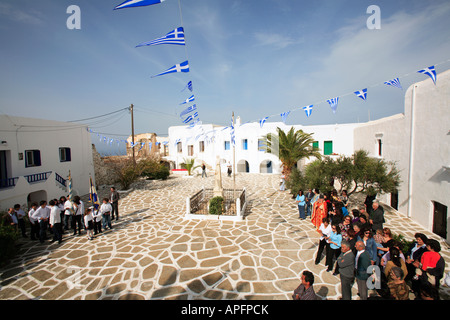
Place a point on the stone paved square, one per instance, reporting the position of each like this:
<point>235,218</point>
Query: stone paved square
<point>153,253</point>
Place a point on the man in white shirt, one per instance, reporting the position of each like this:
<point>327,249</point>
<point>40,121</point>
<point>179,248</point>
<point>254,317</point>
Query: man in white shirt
<point>55,221</point>
<point>105,210</point>
<point>21,223</point>
<point>42,214</point>
<point>78,217</point>
<point>34,222</point>
<point>68,213</point>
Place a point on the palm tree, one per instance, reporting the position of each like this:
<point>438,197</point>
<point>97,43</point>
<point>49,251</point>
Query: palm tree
<point>292,147</point>
<point>189,165</point>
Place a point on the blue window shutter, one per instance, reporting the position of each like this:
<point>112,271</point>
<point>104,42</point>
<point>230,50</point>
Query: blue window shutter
<point>37,157</point>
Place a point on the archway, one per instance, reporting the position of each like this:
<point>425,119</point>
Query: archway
<point>266,167</point>
<point>243,166</point>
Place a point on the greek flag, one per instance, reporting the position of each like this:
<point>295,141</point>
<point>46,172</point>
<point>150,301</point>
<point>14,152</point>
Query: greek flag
<point>262,121</point>
<point>193,124</point>
<point>188,119</point>
<point>173,37</point>
<point>233,137</point>
<point>188,110</point>
<point>333,103</point>
<point>137,3</point>
<point>395,83</point>
<point>284,116</point>
<point>182,67</point>
<point>362,94</point>
<point>308,110</point>
<point>189,86</point>
<point>190,99</point>
<point>93,197</point>
<point>431,72</point>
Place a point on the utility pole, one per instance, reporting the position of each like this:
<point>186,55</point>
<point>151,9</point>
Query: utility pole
<point>234,159</point>
<point>132,133</point>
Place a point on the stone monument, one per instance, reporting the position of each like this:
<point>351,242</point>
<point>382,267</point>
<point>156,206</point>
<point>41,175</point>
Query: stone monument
<point>218,190</point>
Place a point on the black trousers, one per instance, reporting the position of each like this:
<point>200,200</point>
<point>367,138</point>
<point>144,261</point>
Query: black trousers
<point>34,230</point>
<point>331,254</point>
<point>115,210</point>
<point>76,220</point>
<point>97,227</point>
<point>322,245</point>
<point>57,232</point>
<point>22,227</point>
<point>43,230</point>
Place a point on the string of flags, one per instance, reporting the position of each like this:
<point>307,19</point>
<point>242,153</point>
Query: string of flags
<point>110,141</point>
<point>333,102</point>
<point>174,37</point>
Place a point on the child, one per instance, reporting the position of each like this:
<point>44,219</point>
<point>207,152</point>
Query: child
<point>97,221</point>
<point>89,223</point>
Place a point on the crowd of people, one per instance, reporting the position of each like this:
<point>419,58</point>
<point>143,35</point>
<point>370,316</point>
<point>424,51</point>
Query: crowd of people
<point>358,248</point>
<point>66,214</point>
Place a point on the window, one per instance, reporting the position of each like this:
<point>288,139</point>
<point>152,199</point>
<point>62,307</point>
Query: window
<point>201,146</point>
<point>380,147</point>
<point>327,147</point>
<point>244,144</point>
<point>262,146</point>
<point>32,158</point>
<point>64,155</point>
<point>190,150</point>
<point>227,145</point>
<point>179,147</point>
<point>315,145</point>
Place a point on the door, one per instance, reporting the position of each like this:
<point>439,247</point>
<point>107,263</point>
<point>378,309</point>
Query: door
<point>440,219</point>
<point>394,200</point>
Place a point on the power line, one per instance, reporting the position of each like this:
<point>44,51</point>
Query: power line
<point>101,116</point>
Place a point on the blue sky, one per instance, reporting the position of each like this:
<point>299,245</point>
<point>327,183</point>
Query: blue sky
<point>254,57</point>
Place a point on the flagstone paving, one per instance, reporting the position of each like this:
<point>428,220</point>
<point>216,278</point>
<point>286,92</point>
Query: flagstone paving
<point>154,253</point>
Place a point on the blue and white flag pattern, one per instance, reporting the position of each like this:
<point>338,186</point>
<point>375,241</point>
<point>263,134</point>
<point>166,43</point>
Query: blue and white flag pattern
<point>394,82</point>
<point>190,99</point>
<point>189,86</point>
<point>173,37</point>
<point>137,3</point>
<point>308,110</point>
<point>233,137</point>
<point>182,67</point>
<point>333,103</point>
<point>362,93</point>
<point>284,116</point>
<point>188,110</point>
<point>262,121</point>
<point>431,72</point>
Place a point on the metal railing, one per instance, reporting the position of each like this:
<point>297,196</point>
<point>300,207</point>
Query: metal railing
<point>199,201</point>
<point>38,177</point>
<point>8,183</point>
<point>60,179</point>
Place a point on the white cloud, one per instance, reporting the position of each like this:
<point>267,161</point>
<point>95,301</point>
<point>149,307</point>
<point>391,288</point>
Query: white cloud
<point>31,17</point>
<point>279,41</point>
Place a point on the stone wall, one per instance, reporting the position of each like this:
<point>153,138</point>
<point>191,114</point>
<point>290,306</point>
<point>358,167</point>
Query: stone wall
<point>103,174</point>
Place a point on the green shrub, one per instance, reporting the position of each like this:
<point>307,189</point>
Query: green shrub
<point>8,237</point>
<point>152,169</point>
<point>216,205</point>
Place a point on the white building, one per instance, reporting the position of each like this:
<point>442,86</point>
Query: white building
<point>418,141</point>
<point>36,156</point>
<point>206,142</point>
